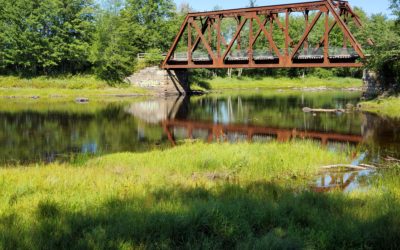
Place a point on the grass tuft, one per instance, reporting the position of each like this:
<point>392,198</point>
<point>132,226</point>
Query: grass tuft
<point>219,83</point>
<point>388,107</point>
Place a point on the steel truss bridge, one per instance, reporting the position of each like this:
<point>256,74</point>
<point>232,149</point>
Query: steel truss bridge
<point>206,41</point>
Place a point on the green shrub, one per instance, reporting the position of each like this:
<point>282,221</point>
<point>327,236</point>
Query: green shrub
<point>153,57</point>
<point>323,73</point>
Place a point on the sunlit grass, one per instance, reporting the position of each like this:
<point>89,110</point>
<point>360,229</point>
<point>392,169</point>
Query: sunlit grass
<point>219,83</point>
<point>388,106</point>
<point>63,87</point>
<point>244,196</point>
<point>61,82</point>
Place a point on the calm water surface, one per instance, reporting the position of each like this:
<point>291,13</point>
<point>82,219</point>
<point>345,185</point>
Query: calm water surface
<point>40,132</point>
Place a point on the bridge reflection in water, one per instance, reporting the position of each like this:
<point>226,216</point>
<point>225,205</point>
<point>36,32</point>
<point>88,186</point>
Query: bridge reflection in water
<point>345,181</point>
<point>222,132</point>
<point>223,120</point>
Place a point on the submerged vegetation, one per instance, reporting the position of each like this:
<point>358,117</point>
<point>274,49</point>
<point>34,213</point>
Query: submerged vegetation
<point>247,196</point>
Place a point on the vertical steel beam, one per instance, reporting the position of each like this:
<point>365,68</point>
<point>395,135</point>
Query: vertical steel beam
<point>287,34</point>
<point>189,48</point>
<point>250,41</point>
<point>219,38</point>
<point>326,38</point>
<point>306,17</point>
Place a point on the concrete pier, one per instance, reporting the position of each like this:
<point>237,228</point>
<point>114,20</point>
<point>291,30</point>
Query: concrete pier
<point>371,86</point>
<point>163,82</point>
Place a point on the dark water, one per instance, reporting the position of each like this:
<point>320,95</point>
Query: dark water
<point>45,133</point>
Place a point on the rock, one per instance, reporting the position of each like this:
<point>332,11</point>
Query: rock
<point>82,100</point>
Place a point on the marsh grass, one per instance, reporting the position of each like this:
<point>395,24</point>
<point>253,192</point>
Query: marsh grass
<point>219,83</point>
<point>195,196</point>
<point>388,107</point>
<point>59,82</point>
<point>61,88</point>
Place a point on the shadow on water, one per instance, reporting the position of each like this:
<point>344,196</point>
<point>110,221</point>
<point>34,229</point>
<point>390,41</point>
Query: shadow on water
<point>255,216</point>
<point>35,135</point>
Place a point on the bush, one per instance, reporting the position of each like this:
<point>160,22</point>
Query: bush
<point>153,57</point>
<point>323,73</point>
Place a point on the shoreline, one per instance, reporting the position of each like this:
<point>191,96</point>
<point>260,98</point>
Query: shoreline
<point>57,94</point>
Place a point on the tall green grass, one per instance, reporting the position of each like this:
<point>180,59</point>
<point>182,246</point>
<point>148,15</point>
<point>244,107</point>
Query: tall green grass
<point>62,82</point>
<point>388,107</point>
<point>219,83</point>
<point>58,88</point>
<point>195,196</point>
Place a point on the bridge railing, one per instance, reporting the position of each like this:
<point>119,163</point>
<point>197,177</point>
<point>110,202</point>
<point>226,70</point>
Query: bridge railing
<point>142,56</point>
<point>310,53</point>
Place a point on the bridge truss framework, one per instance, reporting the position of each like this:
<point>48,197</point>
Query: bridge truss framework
<point>206,27</point>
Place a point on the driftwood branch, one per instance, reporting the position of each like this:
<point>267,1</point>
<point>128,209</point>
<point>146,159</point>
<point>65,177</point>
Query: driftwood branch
<point>359,167</point>
<point>389,158</point>
<point>310,110</point>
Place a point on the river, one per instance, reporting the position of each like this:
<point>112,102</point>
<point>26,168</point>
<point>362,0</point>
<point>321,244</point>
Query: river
<point>47,132</point>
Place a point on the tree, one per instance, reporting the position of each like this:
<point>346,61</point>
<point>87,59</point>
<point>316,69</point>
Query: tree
<point>112,54</point>
<point>152,23</point>
<point>252,3</point>
<point>45,36</point>
<point>385,53</point>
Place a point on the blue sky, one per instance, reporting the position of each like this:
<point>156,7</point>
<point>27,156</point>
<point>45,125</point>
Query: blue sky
<point>370,6</point>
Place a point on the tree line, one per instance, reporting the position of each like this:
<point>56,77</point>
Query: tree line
<point>51,37</point>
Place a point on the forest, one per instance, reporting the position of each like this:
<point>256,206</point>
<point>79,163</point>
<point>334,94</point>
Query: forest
<point>61,37</point>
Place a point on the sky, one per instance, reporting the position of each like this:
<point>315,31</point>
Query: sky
<point>370,6</point>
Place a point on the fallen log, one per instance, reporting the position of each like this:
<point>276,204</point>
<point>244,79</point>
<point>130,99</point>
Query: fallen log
<point>344,166</point>
<point>310,110</point>
<point>389,158</point>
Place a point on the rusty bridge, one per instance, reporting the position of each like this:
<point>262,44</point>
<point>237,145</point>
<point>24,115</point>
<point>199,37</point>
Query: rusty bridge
<point>264,37</point>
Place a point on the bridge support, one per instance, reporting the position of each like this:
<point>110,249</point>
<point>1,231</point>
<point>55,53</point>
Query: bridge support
<point>163,82</point>
<point>371,85</point>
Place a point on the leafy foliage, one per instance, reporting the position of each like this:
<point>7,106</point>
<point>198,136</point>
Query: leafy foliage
<point>42,37</point>
<point>385,53</point>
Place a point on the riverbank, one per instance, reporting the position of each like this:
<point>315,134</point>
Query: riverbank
<point>71,87</point>
<point>265,83</point>
<point>62,88</point>
<point>387,106</point>
<point>227,196</point>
